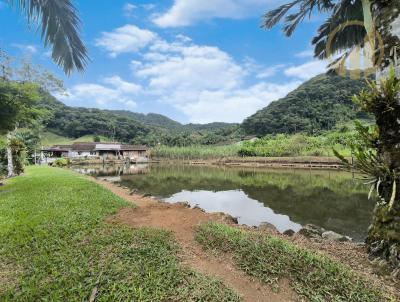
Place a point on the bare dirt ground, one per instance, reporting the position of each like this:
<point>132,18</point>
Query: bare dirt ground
<point>181,221</point>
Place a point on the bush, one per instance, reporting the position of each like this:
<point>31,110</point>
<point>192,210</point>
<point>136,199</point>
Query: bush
<point>61,162</point>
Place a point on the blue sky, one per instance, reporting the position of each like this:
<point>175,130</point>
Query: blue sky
<point>194,61</point>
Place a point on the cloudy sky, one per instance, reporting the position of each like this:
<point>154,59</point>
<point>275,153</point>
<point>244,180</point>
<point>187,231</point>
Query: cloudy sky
<point>194,61</point>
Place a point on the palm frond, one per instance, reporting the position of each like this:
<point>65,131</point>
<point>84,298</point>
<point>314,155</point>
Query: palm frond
<point>347,37</point>
<point>60,25</point>
<point>305,8</point>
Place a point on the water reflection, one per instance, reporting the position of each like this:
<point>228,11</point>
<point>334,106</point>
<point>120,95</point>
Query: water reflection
<point>284,198</point>
<point>237,204</point>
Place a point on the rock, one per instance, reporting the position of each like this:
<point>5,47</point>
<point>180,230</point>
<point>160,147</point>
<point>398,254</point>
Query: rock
<point>266,226</point>
<point>289,232</point>
<point>230,219</point>
<point>333,236</point>
<point>198,208</point>
<point>146,195</point>
<point>183,204</point>
<point>133,191</point>
<point>311,231</point>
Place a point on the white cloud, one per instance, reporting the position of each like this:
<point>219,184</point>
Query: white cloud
<point>128,9</point>
<point>204,82</point>
<point>307,70</point>
<point>305,54</point>
<point>269,71</point>
<point>114,91</point>
<point>235,105</point>
<point>26,48</point>
<point>125,39</point>
<point>122,85</point>
<point>149,6</point>
<point>187,12</point>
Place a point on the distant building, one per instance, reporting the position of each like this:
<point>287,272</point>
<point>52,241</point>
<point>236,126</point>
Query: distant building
<point>93,150</point>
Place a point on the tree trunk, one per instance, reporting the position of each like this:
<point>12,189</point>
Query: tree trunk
<point>10,164</point>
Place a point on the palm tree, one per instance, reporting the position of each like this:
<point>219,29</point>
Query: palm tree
<point>59,25</point>
<point>374,15</point>
<point>382,101</point>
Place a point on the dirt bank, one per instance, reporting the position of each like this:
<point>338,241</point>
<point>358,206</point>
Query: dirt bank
<point>181,220</point>
<point>304,162</point>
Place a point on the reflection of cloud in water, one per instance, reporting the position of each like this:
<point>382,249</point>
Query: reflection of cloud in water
<point>238,204</point>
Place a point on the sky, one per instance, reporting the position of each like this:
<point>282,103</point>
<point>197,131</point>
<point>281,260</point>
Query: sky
<point>193,61</point>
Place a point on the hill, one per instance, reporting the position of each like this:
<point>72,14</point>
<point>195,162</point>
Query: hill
<point>125,126</point>
<point>318,104</point>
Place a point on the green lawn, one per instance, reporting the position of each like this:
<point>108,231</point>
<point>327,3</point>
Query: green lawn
<point>55,246</point>
<point>267,258</point>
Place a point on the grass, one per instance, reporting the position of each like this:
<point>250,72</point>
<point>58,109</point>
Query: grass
<point>267,258</point>
<point>281,145</point>
<point>49,139</point>
<point>299,145</point>
<point>56,246</point>
<point>195,152</point>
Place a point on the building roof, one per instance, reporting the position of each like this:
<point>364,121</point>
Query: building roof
<point>133,148</point>
<point>83,146</point>
<point>94,146</point>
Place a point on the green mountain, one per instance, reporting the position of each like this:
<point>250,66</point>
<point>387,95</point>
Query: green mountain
<point>126,126</point>
<point>152,119</point>
<point>318,104</point>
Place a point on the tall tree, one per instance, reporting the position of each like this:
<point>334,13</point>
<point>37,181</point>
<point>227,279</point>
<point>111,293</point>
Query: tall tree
<point>379,16</point>
<point>16,110</point>
<point>380,20</point>
<point>60,25</point>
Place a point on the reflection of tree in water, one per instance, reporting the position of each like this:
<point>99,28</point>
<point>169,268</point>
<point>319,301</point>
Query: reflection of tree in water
<point>329,199</point>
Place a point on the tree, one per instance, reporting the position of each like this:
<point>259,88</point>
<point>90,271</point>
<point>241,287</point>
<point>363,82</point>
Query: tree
<point>59,24</point>
<point>16,110</point>
<point>382,100</point>
<point>374,15</point>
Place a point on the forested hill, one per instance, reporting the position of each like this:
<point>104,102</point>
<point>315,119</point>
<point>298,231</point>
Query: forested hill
<point>318,104</point>
<point>152,119</point>
<point>123,125</point>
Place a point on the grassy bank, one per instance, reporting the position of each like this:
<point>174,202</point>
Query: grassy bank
<point>55,246</point>
<point>299,145</point>
<point>195,152</point>
<point>269,259</point>
<point>281,145</point>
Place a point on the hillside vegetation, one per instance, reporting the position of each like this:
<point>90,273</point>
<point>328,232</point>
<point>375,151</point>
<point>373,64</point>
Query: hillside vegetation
<point>318,104</point>
<point>130,127</point>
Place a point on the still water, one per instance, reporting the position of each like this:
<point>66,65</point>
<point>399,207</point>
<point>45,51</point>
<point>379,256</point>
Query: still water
<point>287,199</point>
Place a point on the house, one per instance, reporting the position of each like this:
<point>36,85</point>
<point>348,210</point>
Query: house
<point>93,150</point>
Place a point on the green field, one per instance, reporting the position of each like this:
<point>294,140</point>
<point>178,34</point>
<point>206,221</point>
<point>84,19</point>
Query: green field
<point>55,246</point>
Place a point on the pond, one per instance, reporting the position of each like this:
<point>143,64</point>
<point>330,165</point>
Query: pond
<point>287,199</point>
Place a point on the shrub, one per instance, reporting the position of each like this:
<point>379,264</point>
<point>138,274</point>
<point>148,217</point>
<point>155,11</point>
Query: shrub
<point>61,162</point>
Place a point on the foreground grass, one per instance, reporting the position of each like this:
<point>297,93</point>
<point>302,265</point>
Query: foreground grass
<point>55,246</point>
<point>269,259</point>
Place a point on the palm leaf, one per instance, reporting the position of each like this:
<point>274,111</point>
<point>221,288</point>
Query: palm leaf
<point>59,24</point>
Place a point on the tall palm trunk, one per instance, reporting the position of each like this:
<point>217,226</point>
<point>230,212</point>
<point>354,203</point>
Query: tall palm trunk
<point>10,164</point>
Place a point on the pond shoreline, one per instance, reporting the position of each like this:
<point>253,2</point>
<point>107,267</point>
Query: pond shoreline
<point>352,254</point>
<point>301,162</point>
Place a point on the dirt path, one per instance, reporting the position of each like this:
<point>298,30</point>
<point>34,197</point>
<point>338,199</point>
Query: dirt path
<point>181,220</point>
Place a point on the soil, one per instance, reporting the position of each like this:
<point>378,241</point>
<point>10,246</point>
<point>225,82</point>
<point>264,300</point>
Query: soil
<point>182,220</point>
